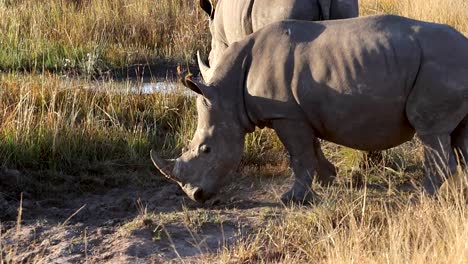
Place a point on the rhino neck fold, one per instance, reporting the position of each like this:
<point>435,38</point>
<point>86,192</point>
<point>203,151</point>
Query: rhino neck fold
<point>245,120</point>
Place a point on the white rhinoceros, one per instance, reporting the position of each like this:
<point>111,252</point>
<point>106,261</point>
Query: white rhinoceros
<point>383,80</point>
<point>233,20</point>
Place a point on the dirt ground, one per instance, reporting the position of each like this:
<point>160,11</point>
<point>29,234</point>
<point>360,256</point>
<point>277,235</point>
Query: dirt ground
<point>150,223</point>
<point>136,225</point>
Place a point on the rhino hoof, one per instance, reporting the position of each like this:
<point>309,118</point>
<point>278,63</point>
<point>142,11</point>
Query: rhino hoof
<point>302,197</point>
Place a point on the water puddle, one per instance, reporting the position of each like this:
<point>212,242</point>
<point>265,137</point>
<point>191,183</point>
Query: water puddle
<point>142,87</point>
<point>153,87</point>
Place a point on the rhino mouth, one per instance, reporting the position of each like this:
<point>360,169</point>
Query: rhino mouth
<point>197,194</point>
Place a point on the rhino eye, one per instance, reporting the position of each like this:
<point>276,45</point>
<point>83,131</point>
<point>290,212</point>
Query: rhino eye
<point>205,149</point>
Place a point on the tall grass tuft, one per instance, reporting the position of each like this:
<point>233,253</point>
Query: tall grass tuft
<point>95,35</point>
<point>350,227</point>
<point>61,126</point>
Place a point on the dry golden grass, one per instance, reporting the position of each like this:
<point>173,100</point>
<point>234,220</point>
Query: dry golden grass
<point>65,133</point>
<point>352,227</point>
<point>451,12</point>
<point>49,122</point>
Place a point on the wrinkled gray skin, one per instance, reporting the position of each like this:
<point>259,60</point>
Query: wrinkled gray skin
<point>233,20</point>
<point>383,80</point>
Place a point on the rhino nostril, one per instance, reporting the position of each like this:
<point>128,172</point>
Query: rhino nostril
<point>198,195</point>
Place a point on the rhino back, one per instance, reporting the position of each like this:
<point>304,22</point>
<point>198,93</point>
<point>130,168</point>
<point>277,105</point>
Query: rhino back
<point>265,12</point>
<point>340,75</point>
<point>235,19</point>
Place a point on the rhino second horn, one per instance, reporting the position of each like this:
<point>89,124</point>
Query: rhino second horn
<point>163,165</point>
<point>204,69</point>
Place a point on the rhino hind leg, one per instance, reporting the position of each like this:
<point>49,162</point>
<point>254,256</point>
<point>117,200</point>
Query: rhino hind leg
<point>459,139</point>
<point>300,142</point>
<point>437,109</point>
<point>439,161</point>
<point>326,171</point>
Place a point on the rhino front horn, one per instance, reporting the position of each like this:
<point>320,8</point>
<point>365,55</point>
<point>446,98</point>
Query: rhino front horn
<point>204,69</point>
<point>163,165</point>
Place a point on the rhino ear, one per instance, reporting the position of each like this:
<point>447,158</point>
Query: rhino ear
<point>207,6</point>
<point>198,87</point>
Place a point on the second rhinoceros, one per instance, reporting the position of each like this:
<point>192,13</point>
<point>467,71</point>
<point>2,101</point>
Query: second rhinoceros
<point>383,80</point>
<point>233,20</point>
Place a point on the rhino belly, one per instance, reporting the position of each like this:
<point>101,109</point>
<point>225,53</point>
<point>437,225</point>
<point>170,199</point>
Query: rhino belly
<point>365,123</point>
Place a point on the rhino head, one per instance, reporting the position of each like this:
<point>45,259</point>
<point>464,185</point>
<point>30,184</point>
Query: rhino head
<point>215,149</point>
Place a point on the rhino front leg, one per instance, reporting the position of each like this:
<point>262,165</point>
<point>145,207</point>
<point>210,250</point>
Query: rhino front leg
<point>300,142</point>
